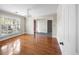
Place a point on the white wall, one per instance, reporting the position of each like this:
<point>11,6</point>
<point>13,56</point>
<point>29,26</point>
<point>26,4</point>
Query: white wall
<point>54,25</point>
<point>30,25</point>
<point>52,17</point>
<point>66,28</point>
<point>77,29</point>
<point>23,25</point>
<point>42,26</point>
<point>13,16</point>
<point>41,23</point>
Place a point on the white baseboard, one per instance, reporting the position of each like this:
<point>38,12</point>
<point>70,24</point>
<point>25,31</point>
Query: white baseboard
<point>77,53</point>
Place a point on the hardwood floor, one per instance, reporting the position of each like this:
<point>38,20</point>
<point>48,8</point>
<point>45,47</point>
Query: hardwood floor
<point>30,45</point>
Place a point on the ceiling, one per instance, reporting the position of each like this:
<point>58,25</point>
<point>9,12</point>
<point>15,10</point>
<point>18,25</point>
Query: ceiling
<point>34,9</point>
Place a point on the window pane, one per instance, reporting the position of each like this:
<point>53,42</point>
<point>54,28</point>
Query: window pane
<point>8,25</point>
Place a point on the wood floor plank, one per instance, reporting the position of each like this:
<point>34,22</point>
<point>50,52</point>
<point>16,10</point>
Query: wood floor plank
<point>30,45</point>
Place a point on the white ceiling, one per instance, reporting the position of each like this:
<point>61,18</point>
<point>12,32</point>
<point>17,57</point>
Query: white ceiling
<point>35,9</point>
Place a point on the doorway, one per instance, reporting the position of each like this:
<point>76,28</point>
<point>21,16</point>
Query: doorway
<point>49,27</point>
<point>34,27</point>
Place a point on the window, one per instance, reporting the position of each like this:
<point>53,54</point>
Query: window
<point>8,25</point>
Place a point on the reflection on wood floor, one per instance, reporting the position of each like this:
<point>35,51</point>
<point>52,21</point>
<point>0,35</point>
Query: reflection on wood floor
<point>30,45</point>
